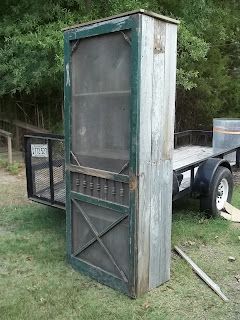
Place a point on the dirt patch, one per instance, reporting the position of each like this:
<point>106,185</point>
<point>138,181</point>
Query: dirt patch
<point>7,178</point>
<point>236,177</point>
<point>13,190</point>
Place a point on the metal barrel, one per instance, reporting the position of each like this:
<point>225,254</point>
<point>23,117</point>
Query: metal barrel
<point>226,134</point>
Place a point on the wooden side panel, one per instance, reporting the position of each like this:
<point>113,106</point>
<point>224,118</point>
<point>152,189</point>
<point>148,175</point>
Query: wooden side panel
<point>157,110</point>
<point>143,217</point>
<point>162,153</point>
<point>159,137</point>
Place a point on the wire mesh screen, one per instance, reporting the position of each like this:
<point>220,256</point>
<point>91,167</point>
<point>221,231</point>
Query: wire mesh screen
<point>45,169</point>
<point>100,101</point>
<point>58,171</point>
<point>100,237</point>
<point>100,137</point>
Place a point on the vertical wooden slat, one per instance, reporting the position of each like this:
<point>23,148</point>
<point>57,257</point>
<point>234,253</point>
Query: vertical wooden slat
<point>163,191</point>
<point>9,140</point>
<point>143,216</point>
<point>159,139</point>
<point>170,90</point>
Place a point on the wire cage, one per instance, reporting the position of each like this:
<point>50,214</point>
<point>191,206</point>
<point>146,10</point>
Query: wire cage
<point>45,168</point>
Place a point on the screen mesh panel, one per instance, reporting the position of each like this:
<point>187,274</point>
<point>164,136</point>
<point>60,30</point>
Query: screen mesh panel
<point>100,101</point>
<point>58,171</point>
<point>100,237</point>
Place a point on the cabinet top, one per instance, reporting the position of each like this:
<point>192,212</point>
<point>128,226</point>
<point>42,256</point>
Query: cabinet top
<point>142,11</point>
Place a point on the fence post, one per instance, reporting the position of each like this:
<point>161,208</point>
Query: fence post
<point>9,140</point>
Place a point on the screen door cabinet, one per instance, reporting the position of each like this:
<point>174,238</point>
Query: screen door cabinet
<point>119,123</point>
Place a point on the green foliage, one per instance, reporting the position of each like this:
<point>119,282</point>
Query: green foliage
<point>31,55</point>
<point>3,163</point>
<point>13,168</point>
<point>191,50</point>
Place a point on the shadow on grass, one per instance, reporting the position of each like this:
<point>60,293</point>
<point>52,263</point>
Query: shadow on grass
<point>34,230</point>
<point>34,217</point>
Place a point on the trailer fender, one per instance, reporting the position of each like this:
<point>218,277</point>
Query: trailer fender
<point>205,174</point>
<point>177,179</point>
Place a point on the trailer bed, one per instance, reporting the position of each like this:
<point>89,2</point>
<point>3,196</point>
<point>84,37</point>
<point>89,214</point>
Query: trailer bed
<point>46,176</point>
<point>182,156</point>
<point>186,155</point>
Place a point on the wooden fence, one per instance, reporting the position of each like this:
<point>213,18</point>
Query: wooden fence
<point>19,129</point>
<point>8,136</point>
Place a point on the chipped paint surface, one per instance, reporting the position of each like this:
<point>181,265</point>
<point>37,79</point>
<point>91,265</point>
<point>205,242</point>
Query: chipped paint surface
<point>67,75</point>
<point>93,29</point>
<point>133,183</point>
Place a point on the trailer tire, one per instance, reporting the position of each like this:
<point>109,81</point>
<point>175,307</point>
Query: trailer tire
<point>220,191</point>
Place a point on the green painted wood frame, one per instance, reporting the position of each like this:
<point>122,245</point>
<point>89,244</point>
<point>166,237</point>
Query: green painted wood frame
<point>126,23</point>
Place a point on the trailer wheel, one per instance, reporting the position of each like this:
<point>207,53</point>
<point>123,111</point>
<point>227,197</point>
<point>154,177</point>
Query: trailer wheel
<point>221,190</point>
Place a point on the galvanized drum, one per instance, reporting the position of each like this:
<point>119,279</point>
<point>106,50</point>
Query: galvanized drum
<point>226,135</point>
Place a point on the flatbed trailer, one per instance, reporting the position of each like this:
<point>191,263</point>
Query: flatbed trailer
<point>193,155</point>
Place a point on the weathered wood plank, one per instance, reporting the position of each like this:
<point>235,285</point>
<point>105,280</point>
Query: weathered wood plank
<point>10,158</point>
<point>189,154</point>
<point>146,12</point>
<point>232,214</point>
<point>202,274</point>
<point>98,173</point>
<point>8,136</point>
<point>29,127</point>
<point>163,113</point>
<point>156,148</point>
<point>145,152</point>
<point>170,90</point>
<point>167,152</point>
<point>5,133</point>
<point>159,117</point>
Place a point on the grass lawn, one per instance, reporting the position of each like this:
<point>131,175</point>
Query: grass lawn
<point>37,283</point>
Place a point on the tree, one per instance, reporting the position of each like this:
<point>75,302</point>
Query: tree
<point>31,55</point>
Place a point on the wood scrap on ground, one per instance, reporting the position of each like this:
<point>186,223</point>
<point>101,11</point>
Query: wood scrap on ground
<point>202,274</point>
<point>231,214</point>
